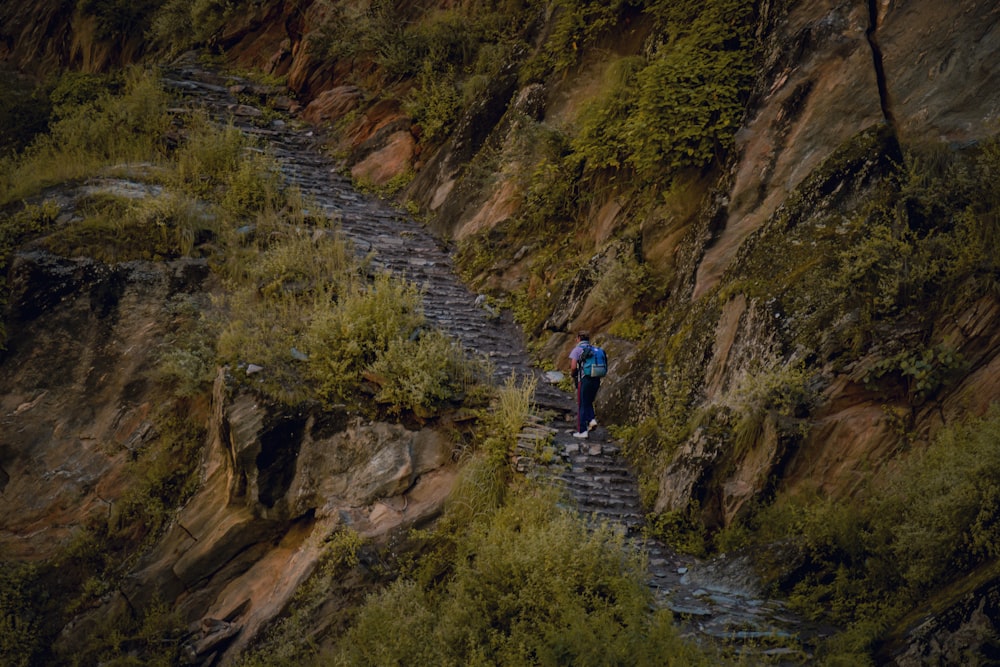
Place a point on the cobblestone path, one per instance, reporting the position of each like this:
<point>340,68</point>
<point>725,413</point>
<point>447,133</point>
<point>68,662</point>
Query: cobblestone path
<point>715,599</point>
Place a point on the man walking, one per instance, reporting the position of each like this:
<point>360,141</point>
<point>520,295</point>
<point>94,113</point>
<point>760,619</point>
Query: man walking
<point>586,386</point>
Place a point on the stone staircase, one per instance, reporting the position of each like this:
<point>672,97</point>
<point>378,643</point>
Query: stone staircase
<point>711,599</point>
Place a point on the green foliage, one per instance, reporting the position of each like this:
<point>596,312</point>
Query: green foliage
<point>921,242</point>
<point>577,24</point>
<point>112,129</point>
<point>434,102</point>
<point>179,25</point>
<point>186,357</point>
<point>221,164</point>
<point>865,563</point>
<point>923,371</point>
<point>482,485</point>
<point>299,307</point>
<point>418,375</point>
<point>255,186</point>
<point>945,505</point>
<point>682,529</point>
<point>483,482</point>
<point>119,20</point>
<point>552,194</point>
<point>512,408</point>
<point>274,293</point>
<point>20,603</point>
<point>389,189</point>
<point>658,432</point>
<point>621,284</point>
<point>681,107</point>
<point>766,390</point>
<point>530,585</point>
<point>347,338</point>
<point>75,89</point>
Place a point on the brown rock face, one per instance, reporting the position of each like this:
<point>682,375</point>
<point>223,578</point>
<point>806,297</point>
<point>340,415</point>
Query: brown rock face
<point>942,62</point>
<point>277,483</point>
<point>331,104</point>
<point>77,397</point>
<point>821,90</point>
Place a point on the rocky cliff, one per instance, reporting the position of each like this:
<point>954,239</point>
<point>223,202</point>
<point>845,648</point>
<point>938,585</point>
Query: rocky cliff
<point>724,277</point>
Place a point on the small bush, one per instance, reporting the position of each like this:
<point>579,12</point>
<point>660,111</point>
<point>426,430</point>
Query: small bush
<point>119,20</point>
<point>418,375</point>
<point>575,26</point>
<point>181,24</point>
<point>347,338</point>
<point>434,102</point>
<point>186,361</point>
<point>208,157</point>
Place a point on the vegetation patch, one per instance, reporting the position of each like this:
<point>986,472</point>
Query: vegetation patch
<point>865,564</point>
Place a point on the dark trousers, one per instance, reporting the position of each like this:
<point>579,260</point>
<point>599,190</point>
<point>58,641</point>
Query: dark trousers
<point>586,392</point>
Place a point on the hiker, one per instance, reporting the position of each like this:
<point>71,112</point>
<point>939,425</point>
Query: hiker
<point>587,381</point>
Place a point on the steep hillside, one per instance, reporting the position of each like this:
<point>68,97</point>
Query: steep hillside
<point>779,218</point>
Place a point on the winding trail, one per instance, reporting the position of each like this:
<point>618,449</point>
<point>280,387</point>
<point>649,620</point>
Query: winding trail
<point>717,599</point>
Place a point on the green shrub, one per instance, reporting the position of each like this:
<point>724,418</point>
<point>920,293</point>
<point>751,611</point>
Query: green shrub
<point>186,359</point>
<point>921,243</point>
<point>575,25</point>
<point>482,484</point>
<point>434,102</point>
<point>74,89</point>
<point>681,107</point>
<point>255,186</point>
<point>209,156</point>
<point>418,375</point>
<point>945,505</point>
<point>347,338</point>
<point>923,371</point>
<point>621,283</point>
<point>119,19</point>
<point>531,585</point>
<point>179,25</point>
<point>113,129</point>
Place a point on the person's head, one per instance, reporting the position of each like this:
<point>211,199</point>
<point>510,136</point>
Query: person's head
<point>583,336</point>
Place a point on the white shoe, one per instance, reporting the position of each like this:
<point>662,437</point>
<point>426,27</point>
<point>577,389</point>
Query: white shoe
<point>592,424</point>
<point>581,434</point>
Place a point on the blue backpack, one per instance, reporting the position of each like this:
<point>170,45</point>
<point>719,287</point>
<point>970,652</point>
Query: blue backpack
<point>595,362</point>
